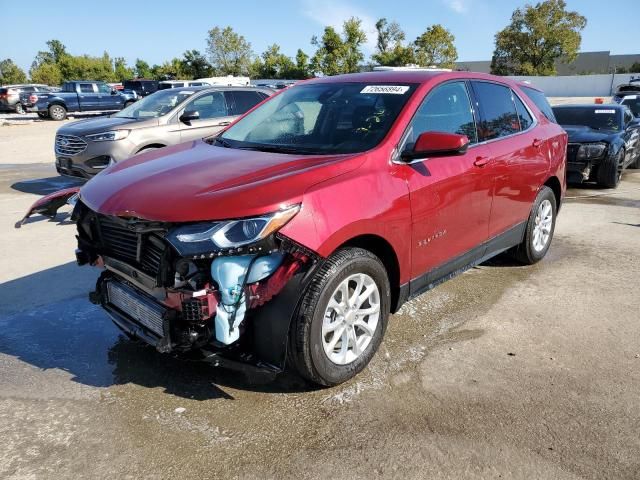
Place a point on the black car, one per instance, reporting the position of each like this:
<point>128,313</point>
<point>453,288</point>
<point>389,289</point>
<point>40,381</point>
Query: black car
<point>603,141</point>
<point>141,87</point>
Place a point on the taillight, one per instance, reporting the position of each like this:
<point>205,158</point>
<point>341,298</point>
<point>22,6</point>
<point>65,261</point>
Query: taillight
<point>33,98</point>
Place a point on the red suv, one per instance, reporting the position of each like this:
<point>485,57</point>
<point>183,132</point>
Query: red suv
<point>295,233</point>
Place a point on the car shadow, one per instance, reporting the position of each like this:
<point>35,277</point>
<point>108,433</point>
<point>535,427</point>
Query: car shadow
<point>46,185</point>
<point>65,332</point>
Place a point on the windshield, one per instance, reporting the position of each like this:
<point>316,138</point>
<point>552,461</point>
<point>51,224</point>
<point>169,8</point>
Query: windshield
<point>155,105</point>
<point>321,118</point>
<point>598,118</point>
<point>633,104</point>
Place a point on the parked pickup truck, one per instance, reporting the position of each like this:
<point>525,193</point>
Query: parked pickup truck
<point>77,96</point>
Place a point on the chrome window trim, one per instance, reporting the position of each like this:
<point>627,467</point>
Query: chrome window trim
<point>396,152</point>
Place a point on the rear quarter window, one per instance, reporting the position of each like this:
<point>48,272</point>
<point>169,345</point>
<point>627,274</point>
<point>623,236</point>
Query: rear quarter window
<point>540,101</point>
<point>499,116</point>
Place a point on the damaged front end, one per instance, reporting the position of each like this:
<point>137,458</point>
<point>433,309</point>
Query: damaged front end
<point>226,290</point>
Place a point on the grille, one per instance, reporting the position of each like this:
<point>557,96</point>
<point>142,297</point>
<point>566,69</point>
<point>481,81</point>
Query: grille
<point>572,151</point>
<point>69,145</point>
<point>143,250</point>
<point>134,305</point>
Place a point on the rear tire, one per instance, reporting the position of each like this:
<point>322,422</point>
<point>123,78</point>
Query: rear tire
<point>57,112</point>
<point>539,230</point>
<point>20,109</point>
<point>610,170</point>
<point>334,334</point>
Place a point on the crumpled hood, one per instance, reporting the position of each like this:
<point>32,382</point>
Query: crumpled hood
<point>581,134</point>
<point>95,125</point>
<point>196,181</point>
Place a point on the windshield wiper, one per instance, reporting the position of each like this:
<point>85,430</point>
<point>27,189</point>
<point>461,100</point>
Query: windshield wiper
<point>278,149</point>
<point>224,143</point>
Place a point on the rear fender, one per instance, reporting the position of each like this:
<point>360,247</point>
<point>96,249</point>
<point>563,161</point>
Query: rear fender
<point>49,204</point>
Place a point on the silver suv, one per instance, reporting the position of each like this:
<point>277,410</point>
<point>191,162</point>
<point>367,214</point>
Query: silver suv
<point>167,117</point>
<point>10,96</point>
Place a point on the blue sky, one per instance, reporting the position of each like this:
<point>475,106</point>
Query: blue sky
<point>159,30</point>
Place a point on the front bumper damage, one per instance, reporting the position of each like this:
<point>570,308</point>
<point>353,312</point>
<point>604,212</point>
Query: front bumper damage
<point>186,305</point>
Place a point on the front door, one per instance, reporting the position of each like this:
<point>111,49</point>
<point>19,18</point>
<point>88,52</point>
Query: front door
<point>214,115</point>
<point>109,100</point>
<point>450,196</point>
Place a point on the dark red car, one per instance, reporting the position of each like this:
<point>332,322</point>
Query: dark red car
<point>296,232</point>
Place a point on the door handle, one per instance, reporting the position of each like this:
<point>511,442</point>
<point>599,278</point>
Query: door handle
<point>481,161</point>
<point>537,143</point>
<point>224,124</point>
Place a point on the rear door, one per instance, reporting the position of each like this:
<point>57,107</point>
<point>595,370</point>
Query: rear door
<point>518,148</point>
<point>450,196</point>
<point>88,96</point>
<point>214,116</point>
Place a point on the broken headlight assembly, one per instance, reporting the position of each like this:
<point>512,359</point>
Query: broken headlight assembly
<point>204,238</point>
<point>588,151</point>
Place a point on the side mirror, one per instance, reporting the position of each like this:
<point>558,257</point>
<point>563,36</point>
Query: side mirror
<point>189,116</point>
<point>436,144</point>
<point>114,91</point>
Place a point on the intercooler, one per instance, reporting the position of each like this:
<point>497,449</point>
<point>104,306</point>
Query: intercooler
<point>137,307</point>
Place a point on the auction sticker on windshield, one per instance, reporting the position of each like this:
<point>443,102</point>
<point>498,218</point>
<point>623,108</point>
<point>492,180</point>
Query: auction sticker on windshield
<point>605,111</point>
<point>392,89</point>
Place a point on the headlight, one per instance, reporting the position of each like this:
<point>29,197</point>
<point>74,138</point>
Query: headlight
<point>108,136</point>
<point>201,238</point>
<point>588,151</point>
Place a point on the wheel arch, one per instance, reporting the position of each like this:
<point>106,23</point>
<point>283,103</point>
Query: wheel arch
<point>554,184</point>
<point>382,249</point>
<point>151,145</point>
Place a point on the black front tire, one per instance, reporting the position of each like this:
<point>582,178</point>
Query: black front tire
<point>526,253</point>
<point>610,170</point>
<point>306,353</point>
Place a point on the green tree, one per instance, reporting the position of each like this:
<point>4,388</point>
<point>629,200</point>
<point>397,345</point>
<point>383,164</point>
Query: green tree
<point>56,51</point>
<point>390,47</point>
<point>302,69</point>
<point>229,52</point>
<point>338,54</point>
<point>11,73</point>
<point>435,47</point>
<point>120,70</point>
<point>86,67</point>
<point>142,69</point>
<point>536,37</point>
<point>169,70</point>
<point>274,64</point>
<point>195,65</point>
<point>47,73</point>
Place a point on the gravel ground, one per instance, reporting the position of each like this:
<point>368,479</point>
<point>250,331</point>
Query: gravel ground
<point>504,372</point>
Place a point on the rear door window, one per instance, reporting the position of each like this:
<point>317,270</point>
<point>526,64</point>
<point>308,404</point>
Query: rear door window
<point>526,120</point>
<point>447,108</point>
<point>498,110</point>
<point>245,101</point>
<point>540,100</point>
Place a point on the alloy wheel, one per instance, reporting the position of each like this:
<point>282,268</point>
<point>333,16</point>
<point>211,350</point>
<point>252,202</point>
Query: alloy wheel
<point>351,318</point>
<point>542,226</point>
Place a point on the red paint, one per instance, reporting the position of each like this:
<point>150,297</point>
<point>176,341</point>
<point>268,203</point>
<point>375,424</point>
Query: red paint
<point>440,142</point>
<point>429,211</point>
